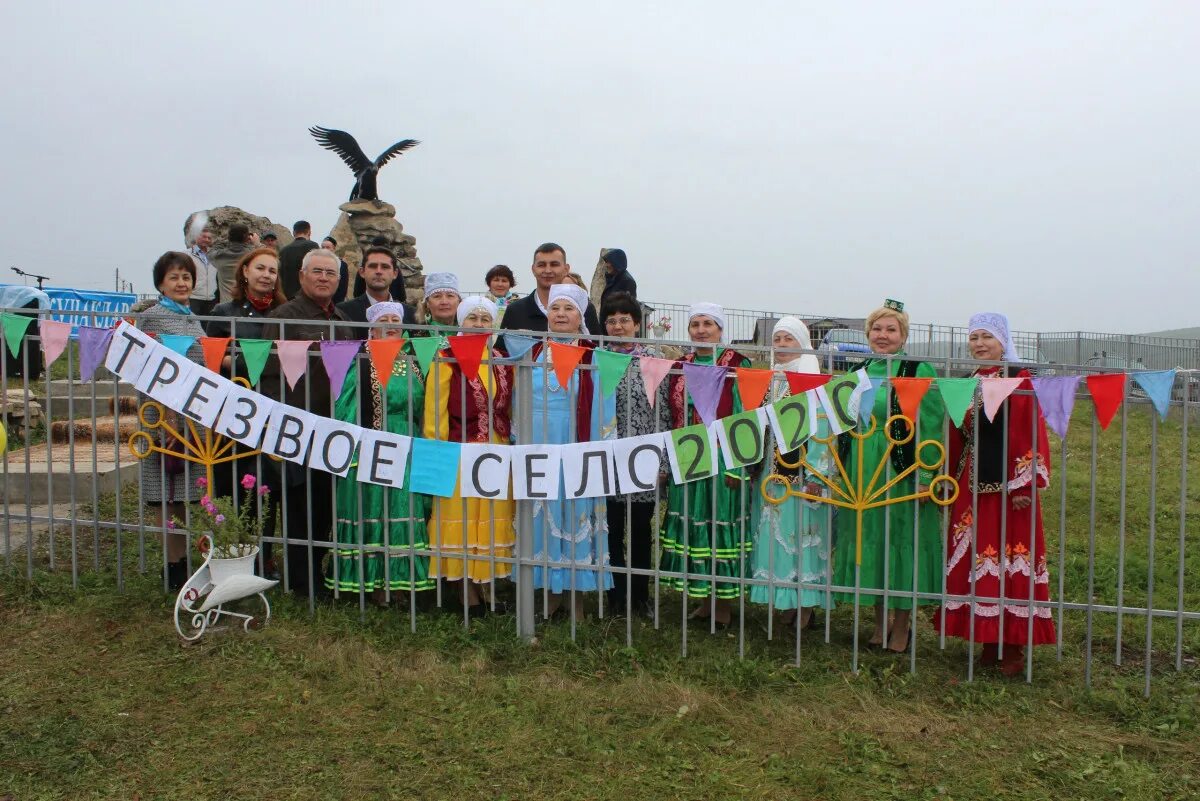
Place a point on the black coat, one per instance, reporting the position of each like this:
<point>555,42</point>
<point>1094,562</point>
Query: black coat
<point>291,256</point>
<point>523,314</point>
<point>355,309</point>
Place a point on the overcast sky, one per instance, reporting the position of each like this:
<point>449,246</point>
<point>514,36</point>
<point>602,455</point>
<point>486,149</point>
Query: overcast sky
<point>818,158</point>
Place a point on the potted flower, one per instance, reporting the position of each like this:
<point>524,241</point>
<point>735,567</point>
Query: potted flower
<point>662,326</point>
<point>232,535</point>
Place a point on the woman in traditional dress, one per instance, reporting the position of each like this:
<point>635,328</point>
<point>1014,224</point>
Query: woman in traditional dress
<point>169,484</point>
<point>985,538</point>
<point>631,515</point>
<point>791,540</point>
<point>468,534</point>
<point>392,403</point>
<point>888,553</point>
<point>439,308</point>
<point>570,535</point>
<point>706,535</point>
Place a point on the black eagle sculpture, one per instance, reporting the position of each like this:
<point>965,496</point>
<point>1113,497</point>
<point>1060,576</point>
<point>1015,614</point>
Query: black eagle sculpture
<point>365,170</point>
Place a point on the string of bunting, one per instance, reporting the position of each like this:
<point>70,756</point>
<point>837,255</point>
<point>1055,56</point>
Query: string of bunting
<point>320,443</point>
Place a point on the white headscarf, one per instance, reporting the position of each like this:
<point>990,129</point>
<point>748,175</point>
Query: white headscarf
<point>572,293</point>
<point>806,363</point>
<point>472,302</point>
<point>387,307</point>
<point>996,324</point>
<point>441,282</point>
<point>713,310</point>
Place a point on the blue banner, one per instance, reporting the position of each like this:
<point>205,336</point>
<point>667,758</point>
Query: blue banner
<point>72,305</point>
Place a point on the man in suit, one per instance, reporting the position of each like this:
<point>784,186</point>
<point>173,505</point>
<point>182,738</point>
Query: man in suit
<point>330,244</point>
<point>309,504</point>
<point>529,313</point>
<point>378,273</point>
<point>291,256</point>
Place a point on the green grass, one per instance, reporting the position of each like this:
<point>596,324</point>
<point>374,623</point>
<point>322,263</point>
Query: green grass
<point>101,701</point>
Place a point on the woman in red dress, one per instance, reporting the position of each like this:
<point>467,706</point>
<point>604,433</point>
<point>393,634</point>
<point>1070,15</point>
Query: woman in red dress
<point>1007,542</point>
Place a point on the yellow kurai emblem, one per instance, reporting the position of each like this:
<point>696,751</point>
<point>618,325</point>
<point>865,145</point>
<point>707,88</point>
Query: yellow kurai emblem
<point>853,494</point>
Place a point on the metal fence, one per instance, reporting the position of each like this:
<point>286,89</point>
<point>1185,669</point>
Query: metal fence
<point>1120,583</point>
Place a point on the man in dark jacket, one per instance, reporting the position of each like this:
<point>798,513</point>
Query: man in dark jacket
<point>308,503</point>
<point>529,313</point>
<point>330,244</point>
<point>379,274</point>
<point>291,256</point>
<point>225,258</point>
<point>616,275</point>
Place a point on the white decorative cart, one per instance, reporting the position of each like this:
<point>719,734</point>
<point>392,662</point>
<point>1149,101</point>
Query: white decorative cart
<point>217,582</point>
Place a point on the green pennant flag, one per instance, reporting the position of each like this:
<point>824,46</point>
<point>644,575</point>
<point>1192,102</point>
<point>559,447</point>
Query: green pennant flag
<point>742,438</point>
<point>255,352</point>
<point>425,348</point>
<point>691,454</point>
<point>15,326</point>
<point>957,394</point>
<point>791,418</point>
<point>612,367</point>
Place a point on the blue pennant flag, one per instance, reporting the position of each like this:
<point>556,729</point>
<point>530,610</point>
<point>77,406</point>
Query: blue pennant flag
<point>179,343</point>
<point>866,402</point>
<point>439,467</point>
<point>1158,385</point>
<point>518,345</point>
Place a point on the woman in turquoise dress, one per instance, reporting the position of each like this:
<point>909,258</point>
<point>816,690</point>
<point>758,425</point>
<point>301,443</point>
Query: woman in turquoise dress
<point>791,539</point>
<point>888,531</point>
<point>570,536</point>
<point>706,534</point>
<point>396,408</point>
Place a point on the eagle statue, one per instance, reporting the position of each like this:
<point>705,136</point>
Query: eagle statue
<point>365,171</point>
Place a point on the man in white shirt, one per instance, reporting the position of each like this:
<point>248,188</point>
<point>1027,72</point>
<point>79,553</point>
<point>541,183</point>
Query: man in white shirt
<point>204,291</point>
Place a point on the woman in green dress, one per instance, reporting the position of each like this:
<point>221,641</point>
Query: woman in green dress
<point>706,531</point>
<point>888,531</point>
<point>395,406</point>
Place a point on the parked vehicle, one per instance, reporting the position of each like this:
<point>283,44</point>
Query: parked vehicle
<point>840,342</point>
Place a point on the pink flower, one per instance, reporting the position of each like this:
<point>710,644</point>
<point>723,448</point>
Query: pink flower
<point>202,482</point>
<point>170,525</point>
<point>219,519</point>
<point>248,482</point>
<point>263,490</point>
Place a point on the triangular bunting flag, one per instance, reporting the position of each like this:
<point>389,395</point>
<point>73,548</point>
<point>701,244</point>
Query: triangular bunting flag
<point>909,391</point>
<point>15,326</point>
<point>799,383</point>
<point>995,390</point>
<point>752,385</point>
<point>611,366</point>
<point>565,359</point>
<point>704,382</point>
<point>383,353</point>
<point>517,345</point>
<point>255,353</point>
<point>866,402</point>
<point>214,351</point>
<point>293,359</point>
<point>654,370</point>
<point>337,356</point>
<point>1108,392</point>
<point>957,394</point>
<point>425,348</point>
<point>54,339</point>
<point>1158,385</point>
<point>93,345</point>
<point>468,349</point>
<point>179,343</point>
<point>1056,397</point>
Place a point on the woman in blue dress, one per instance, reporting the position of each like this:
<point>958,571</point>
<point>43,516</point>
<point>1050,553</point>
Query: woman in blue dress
<point>570,536</point>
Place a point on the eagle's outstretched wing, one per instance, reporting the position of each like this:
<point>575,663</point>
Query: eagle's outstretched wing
<point>396,149</point>
<point>344,145</point>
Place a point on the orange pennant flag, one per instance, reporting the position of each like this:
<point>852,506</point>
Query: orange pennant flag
<point>565,359</point>
<point>383,354</point>
<point>752,385</point>
<point>468,349</point>
<point>214,351</point>
<point>799,383</point>
<point>909,392</point>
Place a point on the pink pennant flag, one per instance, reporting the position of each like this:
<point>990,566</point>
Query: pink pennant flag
<point>293,358</point>
<point>54,339</point>
<point>653,372</point>
<point>337,358</point>
<point>995,391</point>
